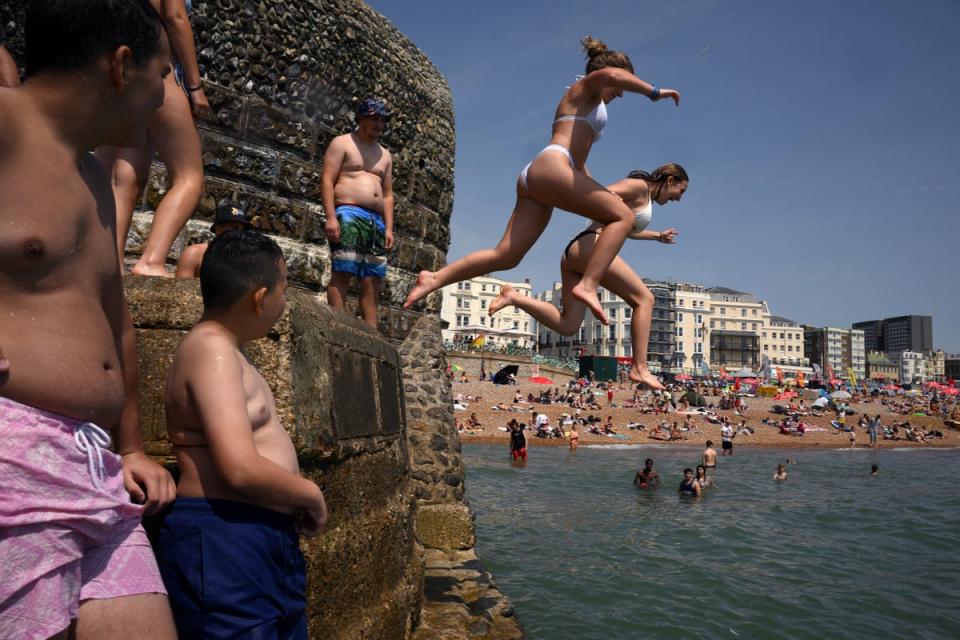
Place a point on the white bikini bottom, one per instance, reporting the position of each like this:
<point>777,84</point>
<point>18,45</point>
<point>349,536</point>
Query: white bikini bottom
<point>550,147</point>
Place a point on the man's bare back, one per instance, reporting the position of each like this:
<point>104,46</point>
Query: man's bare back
<point>199,475</point>
<point>710,457</point>
<point>363,169</point>
<point>59,280</point>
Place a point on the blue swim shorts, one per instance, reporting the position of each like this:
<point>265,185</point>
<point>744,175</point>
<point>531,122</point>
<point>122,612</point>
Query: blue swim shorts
<point>232,570</point>
<point>362,248</point>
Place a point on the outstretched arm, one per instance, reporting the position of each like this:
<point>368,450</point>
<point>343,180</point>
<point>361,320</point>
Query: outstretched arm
<point>623,79</point>
<point>669,236</point>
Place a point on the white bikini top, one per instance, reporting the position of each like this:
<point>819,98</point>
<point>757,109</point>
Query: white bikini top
<point>597,119</point>
<point>642,216</point>
<point>641,219</point>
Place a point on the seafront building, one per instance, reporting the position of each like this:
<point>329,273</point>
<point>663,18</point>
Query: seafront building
<point>936,365</point>
<point>781,340</point>
<point>902,333</point>
<point>951,366</point>
<point>913,367</point>
<point>694,329</point>
<point>614,339</point>
<point>694,312</point>
<point>836,350</point>
<point>465,306</point>
<point>881,368</point>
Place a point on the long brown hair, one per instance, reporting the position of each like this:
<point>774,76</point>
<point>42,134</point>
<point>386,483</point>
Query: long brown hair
<point>599,55</point>
<point>659,176</point>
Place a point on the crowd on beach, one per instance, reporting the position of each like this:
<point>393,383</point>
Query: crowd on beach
<point>695,411</point>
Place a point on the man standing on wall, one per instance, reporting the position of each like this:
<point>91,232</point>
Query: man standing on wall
<point>357,184</point>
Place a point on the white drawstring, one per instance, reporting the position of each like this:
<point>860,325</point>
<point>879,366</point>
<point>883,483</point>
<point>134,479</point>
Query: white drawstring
<point>91,440</point>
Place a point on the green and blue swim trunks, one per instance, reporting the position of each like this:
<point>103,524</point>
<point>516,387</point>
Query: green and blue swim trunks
<point>362,248</point>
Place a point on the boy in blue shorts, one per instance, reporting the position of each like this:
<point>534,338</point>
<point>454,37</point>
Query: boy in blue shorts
<point>228,548</point>
<point>357,185</point>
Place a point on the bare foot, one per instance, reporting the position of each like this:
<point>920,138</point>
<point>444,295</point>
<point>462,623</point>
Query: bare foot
<point>647,378</point>
<point>421,289</point>
<point>502,300</point>
<point>159,271</point>
<point>590,299</point>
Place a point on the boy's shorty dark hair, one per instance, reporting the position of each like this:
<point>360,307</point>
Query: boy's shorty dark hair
<point>64,35</point>
<point>236,263</point>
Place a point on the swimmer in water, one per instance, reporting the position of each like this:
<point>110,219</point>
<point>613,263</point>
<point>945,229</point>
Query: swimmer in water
<point>781,473</point>
<point>689,485</point>
<point>647,477</point>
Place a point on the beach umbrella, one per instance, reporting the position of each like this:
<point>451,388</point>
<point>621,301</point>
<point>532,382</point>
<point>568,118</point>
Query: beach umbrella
<point>743,373</point>
<point>541,380</point>
<point>840,395</point>
<point>683,376</point>
<point>821,402</point>
<point>951,391</point>
<point>457,368</point>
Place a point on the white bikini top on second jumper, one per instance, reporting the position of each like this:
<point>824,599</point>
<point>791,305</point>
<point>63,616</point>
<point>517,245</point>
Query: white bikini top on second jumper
<point>597,119</point>
<point>642,216</point>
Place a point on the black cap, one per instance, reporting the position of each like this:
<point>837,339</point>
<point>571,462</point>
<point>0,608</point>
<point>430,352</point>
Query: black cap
<point>229,213</point>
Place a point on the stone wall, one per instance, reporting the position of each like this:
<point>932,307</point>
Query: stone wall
<point>338,392</point>
<point>461,598</point>
<point>282,78</point>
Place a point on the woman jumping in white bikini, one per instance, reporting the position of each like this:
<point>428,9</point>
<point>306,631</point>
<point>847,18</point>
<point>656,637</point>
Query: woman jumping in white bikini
<point>558,177</point>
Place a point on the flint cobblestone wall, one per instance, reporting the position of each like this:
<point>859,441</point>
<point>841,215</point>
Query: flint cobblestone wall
<point>282,79</point>
<point>461,598</point>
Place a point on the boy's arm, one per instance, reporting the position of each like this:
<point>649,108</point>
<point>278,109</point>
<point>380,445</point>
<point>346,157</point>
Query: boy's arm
<point>215,383</point>
<point>332,162</point>
<point>388,201</point>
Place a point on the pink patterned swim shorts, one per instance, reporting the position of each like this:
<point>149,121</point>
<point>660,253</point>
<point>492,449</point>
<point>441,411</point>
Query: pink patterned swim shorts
<point>68,531</point>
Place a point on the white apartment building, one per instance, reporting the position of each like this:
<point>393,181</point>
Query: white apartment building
<point>913,367</point>
<point>781,340</point>
<point>465,307</point>
<point>693,314</point>
<point>858,354</point>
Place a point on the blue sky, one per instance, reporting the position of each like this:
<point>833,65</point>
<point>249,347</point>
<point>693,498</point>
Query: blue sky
<point>821,140</point>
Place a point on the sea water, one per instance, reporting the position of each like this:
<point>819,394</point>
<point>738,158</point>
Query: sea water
<point>832,552</point>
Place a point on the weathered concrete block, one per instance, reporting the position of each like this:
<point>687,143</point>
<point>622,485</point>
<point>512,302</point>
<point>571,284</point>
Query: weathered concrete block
<point>445,526</point>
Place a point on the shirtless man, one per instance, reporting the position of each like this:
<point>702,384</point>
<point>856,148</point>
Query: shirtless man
<point>72,540</point>
<point>227,218</point>
<point>710,456</point>
<point>357,184</point>
<point>647,477</point>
